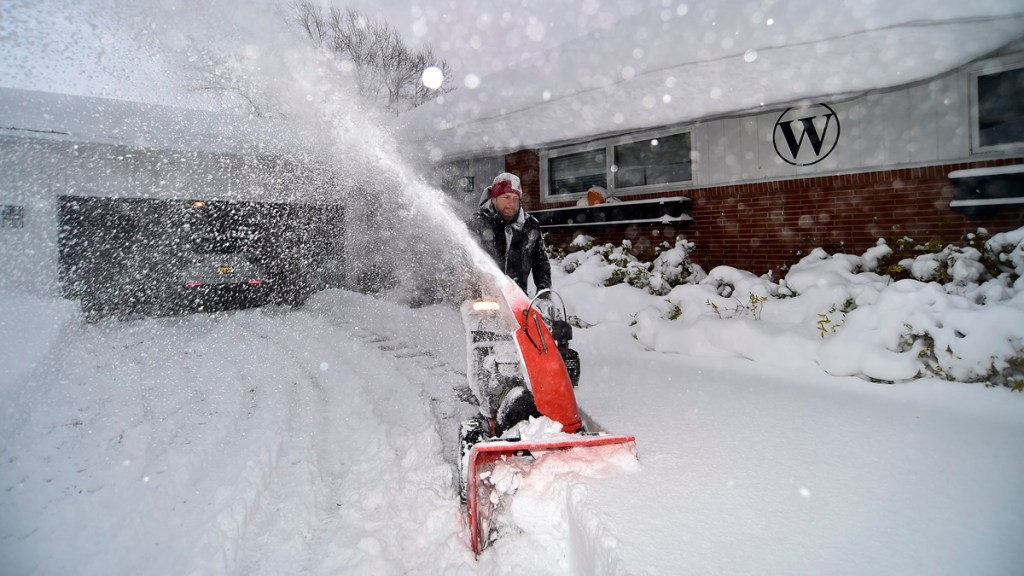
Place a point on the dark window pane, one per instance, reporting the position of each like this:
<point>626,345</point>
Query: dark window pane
<point>1001,108</point>
<point>655,161</point>
<point>576,173</point>
<point>12,216</point>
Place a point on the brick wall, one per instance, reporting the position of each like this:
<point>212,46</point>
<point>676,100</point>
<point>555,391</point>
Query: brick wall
<point>768,225</point>
<point>526,165</point>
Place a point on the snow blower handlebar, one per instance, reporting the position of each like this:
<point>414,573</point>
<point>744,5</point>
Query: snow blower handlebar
<point>561,332</point>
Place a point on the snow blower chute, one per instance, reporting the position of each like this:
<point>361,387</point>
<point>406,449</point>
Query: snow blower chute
<point>520,366</point>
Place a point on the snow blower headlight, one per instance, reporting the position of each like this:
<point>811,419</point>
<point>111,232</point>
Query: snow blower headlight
<point>485,306</point>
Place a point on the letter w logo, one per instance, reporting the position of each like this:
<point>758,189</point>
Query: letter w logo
<point>822,143</point>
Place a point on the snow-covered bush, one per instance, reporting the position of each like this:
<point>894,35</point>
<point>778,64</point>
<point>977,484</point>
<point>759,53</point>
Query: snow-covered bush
<point>897,312</point>
<point>1006,253</point>
<point>983,269</point>
<point>581,242</point>
<point>577,253</point>
<point>627,268</point>
<point>738,292</point>
<point>615,264</point>
<point>672,266</point>
<point>917,329</point>
<point>954,315</point>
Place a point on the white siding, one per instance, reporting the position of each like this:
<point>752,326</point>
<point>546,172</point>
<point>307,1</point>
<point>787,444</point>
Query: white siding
<point>749,148</point>
<point>953,118</point>
<point>923,124</point>
<point>717,146</point>
<point>897,128</point>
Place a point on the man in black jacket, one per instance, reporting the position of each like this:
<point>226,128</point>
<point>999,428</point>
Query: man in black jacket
<point>510,235</point>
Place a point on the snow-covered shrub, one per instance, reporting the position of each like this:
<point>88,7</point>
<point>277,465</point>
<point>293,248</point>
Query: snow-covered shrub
<point>960,323</point>
<point>983,269</point>
<point>873,256</point>
<point>1005,254</point>
<point>925,331</point>
<point>832,320</point>
<point>861,315</point>
<point>627,268</point>
<point>738,292</point>
<point>612,264</point>
<point>577,253</point>
<point>581,243</point>
<point>953,266</point>
<point>553,252</point>
<point>949,311</point>
<point>672,266</point>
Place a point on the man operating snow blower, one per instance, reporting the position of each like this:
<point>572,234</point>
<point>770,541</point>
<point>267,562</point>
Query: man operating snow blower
<point>520,366</point>
<point>513,239</point>
<point>509,235</point>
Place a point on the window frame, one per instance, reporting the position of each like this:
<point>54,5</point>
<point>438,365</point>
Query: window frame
<point>988,68</point>
<point>609,145</point>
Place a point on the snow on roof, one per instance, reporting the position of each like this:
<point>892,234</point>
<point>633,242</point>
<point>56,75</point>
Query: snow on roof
<point>39,114</point>
<point>648,72</point>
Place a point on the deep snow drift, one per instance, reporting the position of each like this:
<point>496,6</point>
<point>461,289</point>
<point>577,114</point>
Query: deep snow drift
<point>321,441</point>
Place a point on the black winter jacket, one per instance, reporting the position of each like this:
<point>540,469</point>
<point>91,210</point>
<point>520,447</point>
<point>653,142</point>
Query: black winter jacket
<point>524,254</point>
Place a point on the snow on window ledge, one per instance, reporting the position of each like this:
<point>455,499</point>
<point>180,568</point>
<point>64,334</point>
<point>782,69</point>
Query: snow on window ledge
<point>981,172</point>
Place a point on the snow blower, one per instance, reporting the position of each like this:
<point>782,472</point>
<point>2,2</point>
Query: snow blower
<point>520,368</point>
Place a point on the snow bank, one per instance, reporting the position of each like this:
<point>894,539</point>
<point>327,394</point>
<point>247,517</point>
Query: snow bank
<point>256,441</point>
<point>959,316</point>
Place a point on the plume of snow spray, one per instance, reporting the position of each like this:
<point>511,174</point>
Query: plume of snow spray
<point>305,99</point>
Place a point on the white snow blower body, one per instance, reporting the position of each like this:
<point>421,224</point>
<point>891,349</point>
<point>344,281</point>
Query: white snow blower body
<point>519,366</point>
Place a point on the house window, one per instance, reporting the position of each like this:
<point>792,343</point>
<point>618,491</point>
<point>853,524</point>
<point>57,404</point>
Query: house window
<point>664,160</point>
<point>574,174</point>
<point>998,98</point>
<point>647,162</point>
<point>467,184</point>
<point>12,216</point>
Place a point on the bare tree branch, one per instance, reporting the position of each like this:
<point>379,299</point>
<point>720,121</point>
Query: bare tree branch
<point>386,70</point>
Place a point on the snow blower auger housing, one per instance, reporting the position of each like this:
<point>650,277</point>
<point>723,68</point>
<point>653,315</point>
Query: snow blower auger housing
<point>520,365</point>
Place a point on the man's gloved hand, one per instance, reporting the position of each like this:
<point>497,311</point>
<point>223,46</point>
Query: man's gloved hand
<point>547,308</point>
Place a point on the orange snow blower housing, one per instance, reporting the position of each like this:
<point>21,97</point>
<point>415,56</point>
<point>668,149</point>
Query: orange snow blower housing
<point>531,379</point>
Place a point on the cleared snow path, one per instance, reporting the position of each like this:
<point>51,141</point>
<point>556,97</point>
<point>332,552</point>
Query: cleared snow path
<point>257,442</point>
<point>271,441</point>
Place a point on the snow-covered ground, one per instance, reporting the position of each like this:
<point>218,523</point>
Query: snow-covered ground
<point>321,441</point>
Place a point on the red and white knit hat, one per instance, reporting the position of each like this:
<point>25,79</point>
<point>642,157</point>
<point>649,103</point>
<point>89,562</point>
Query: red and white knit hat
<point>505,183</point>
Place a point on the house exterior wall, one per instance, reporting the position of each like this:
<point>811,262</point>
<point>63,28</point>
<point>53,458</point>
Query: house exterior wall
<point>767,226</point>
<point>923,124</point>
<point>886,177</point>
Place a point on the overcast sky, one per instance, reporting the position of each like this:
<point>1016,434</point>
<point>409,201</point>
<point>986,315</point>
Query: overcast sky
<point>528,72</point>
<point>108,44</point>
<point>482,36</point>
